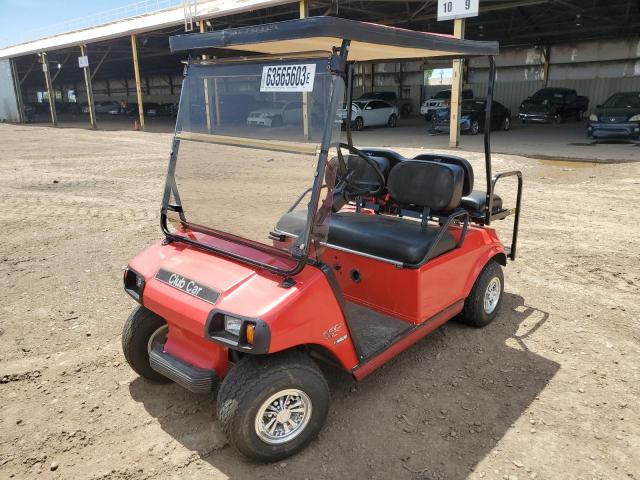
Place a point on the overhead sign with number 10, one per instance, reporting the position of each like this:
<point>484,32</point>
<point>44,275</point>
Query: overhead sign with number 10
<point>450,9</point>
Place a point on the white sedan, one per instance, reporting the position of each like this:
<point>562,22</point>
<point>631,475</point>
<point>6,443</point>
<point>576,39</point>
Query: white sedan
<point>371,113</point>
<point>276,114</point>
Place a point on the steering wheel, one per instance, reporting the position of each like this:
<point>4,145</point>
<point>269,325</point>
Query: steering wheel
<point>348,187</point>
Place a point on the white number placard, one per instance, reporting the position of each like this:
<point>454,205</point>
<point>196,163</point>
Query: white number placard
<point>83,62</point>
<point>288,78</point>
<point>450,9</point>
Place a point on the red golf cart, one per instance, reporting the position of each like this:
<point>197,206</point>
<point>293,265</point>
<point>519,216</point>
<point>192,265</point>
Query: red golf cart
<point>284,246</point>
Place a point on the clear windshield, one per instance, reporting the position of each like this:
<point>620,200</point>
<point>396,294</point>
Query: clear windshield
<point>623,100</point>
<point>248,141</point>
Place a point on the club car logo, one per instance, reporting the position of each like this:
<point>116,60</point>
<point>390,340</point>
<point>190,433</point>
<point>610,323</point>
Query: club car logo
<point>187,285</point>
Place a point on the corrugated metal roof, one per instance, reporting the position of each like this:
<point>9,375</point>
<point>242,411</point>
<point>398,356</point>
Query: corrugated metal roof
<point>143,23</point>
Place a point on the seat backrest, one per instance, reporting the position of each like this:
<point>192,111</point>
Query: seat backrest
<point>426,184</point>
<point>363,172</point>
<point>453,160</point>
<point>393,157</point>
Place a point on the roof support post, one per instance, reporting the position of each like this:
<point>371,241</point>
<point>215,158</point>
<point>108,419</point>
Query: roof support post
<point>50,92</point>
<point>304,13</point>
<point>207,100</point>
<point>136,71</point>
<point>17,89</point>
<point>547,61</point>
<point>456,88</point>
<point>89,88</point>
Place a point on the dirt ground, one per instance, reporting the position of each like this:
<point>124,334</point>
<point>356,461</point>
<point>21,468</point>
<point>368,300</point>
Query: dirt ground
<point>550,390</point>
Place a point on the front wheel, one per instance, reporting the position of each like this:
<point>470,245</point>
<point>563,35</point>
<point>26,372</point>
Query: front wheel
<point>142,331</point>
<point>271,407</point>
<point>358,124</point>
<point>483,303</point>
<point>393,121</point>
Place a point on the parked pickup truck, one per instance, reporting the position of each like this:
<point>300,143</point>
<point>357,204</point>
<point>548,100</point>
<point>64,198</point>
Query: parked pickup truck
<point>442,99</point>
<point>405,107</point>
<point>553,105</point>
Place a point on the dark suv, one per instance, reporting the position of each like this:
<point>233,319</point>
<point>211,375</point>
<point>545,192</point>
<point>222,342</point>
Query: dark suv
<point>618,117</point>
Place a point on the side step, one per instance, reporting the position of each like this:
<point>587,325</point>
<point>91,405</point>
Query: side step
<point>197,380</point>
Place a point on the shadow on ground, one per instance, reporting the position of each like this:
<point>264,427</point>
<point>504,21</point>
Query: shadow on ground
<point>433,412</point>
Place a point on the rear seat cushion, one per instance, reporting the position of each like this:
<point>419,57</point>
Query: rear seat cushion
<point>477,200</point>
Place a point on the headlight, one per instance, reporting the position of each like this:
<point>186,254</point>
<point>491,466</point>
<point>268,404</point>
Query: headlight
<point>593,117</point>
<point>635,118</point>
<point>133,284</point>
<point>232,325</point>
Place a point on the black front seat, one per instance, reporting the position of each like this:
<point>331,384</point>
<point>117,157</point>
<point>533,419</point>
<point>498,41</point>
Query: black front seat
<point>412,182</point>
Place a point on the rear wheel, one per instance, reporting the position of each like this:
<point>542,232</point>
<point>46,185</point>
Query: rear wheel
<point>142,331</point>
<point>558,118</point>
<point>358,124</point>
<point>393,121</point>
<point>271,407</point>
<point>506,124</point>
<point>483,304</point>
<point>475,127</point>
<point>579,115</point>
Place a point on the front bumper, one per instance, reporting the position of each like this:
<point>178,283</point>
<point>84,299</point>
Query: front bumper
<point>197,380</point>
<point>614,130</point>
<point>260,121</point>
<point>537,117</point>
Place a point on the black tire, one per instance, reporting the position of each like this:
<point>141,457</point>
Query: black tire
<point>251,382</point>
<point>523,121</point>
<point>474,312</point>
<point>393,121</point>
<point>579,115</point>
<point>358,124</point>
<point>427,117</point>
<point>506,124</point>
<point>137,331</point>
<point>475,127</point>
<point>558,118</point>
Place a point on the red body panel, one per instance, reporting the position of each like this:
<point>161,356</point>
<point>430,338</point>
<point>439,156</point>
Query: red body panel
<point>299,315</point>
<point>304,313</point>
<point>415,295</point>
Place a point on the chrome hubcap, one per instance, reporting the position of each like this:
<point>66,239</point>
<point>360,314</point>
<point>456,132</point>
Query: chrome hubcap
<point>159,337</point>
<point>492,295</point>
<point>283,416</point>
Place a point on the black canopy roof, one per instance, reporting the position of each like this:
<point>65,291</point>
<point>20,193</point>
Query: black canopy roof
<point>369,41</point>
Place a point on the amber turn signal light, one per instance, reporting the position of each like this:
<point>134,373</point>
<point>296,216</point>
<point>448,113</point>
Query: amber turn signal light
<point>251,328</point>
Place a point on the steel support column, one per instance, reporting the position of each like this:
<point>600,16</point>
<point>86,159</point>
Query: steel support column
<point>545,68</point>
<point>136,70</point>
<point>89,88</point>
<point>456,88</point>
<point>207,100</point>
<point>304,13</point>
<point>17,89</point>
<point>50,92</point>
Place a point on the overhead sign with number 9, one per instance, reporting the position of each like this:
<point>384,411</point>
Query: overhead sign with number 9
<point>450,9</point>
